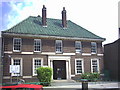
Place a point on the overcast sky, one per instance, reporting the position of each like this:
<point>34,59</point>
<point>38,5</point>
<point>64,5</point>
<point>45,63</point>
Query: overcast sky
<point>97,16</point>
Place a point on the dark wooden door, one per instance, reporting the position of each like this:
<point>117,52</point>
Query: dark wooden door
<point>59,69</point>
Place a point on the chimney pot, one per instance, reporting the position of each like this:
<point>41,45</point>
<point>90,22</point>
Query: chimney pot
<point>44,16</point>
<point>64,21</point>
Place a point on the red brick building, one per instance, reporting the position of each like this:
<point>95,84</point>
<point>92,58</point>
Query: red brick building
<point>66,47</point>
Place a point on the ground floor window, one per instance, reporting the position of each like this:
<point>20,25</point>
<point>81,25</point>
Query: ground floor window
<point>17,61</point>
<point>37,62</point>
<point>79,66</point>
<point>94,65</point>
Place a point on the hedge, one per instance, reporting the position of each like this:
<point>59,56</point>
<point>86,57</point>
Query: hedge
<point>44,75</point>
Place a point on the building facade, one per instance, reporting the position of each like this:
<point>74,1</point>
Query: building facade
<point>67,48</point>
<point>111,60</point>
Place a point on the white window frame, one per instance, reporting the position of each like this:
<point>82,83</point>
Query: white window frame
<point>21,71</point>
<point>94,48</point>
<point>98,68</point>
<point>33,67</point>
<point>79,59</point>
<point>60,41</point>
<point>40,44</point>
<point>80,47</point>
<point>20,44</point>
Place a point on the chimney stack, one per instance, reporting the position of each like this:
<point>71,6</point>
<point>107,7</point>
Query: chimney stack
<point>64,21</point>
<point>44,22</point>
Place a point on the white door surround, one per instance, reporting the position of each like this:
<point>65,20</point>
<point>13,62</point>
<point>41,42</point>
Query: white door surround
<point>66,58</point>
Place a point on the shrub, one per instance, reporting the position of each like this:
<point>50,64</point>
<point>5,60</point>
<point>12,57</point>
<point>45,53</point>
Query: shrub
<point>44,75</point>
<point>90,76</point>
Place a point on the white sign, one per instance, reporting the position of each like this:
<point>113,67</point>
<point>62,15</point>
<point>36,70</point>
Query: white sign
<point>14,68</point>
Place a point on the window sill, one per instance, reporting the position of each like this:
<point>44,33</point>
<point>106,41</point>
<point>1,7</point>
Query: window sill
<point>59,52</point>
<point>93,53</point>
<point>16,51</point>
<point>78,52</point>
<point>37,51</point>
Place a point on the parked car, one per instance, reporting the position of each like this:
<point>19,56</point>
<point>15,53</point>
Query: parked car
<point>23,87</point>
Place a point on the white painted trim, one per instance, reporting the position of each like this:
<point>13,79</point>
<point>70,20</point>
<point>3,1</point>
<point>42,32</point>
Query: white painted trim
<point>93,53</point>
<point>72,75</point>
<point>6,77</point>
<point>59,57</point>
<point>82,66</point>
<point>21,67</point>
<point>27,76</point>
<point>26,52</point>
<point>44,66</point>
<point>20,45</point>
<point>56,37</point>
<point>53,53</point>
<point>67,69</point>
<point>97,65</point>
<point>68,53</point>
<point>48,53</point>
<point>86,54</point>
<point>33,65</point>
<point>9,52</point>
<point>99,54</point>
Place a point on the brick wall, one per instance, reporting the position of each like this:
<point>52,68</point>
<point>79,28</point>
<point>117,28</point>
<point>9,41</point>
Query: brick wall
<point>48,45</point>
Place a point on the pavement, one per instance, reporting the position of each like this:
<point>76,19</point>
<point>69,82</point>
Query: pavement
<point>78,85</point>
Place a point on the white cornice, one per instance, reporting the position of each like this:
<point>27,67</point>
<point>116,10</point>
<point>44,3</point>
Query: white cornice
<point>99,54</point>
<point>86,54</point>
<point>54,37</point>
<point>9,52</point>
<point>26,52</point>
<point>53,53</point>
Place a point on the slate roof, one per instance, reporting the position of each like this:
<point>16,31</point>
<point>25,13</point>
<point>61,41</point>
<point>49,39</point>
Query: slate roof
<point>33,26</point>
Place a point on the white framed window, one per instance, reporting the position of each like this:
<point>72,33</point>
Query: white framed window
<point>93,47</point>
<point>79,66</point>
<point>17,43</point>
<point>95,65</point>
<point>78,47</point>
<point>37,62</point>
<point>17,61</point>
<point>37,45</point>
<point>58,46</point>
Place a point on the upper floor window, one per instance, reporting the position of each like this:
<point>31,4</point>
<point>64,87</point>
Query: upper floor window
<point>93,47</point>
<point>37,45</point>
<point>94,65</point>
<point>78,47</point>
<point>58,46</point>
<point>17,44</point>
<point>79,66</point>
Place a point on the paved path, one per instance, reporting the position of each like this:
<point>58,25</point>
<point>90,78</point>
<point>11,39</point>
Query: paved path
<point>73,84</point>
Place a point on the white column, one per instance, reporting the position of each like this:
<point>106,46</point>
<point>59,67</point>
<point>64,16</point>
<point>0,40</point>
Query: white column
<point>69,70</point>
<point>51,65</point>
<point>67,74</point>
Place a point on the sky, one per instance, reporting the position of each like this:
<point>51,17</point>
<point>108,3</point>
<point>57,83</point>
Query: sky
<point>98,16</point>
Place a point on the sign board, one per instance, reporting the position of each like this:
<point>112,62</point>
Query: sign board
<point>14,68</point>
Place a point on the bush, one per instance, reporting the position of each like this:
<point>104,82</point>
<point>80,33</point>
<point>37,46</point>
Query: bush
<point>44,75</point>
<point>90,76</point>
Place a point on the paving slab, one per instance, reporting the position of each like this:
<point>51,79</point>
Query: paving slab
<point>78,85</point>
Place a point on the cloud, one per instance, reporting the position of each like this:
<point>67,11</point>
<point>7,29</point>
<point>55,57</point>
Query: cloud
<point>21,10</point>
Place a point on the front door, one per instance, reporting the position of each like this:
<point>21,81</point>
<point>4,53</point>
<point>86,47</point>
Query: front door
<point>59,69</point>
